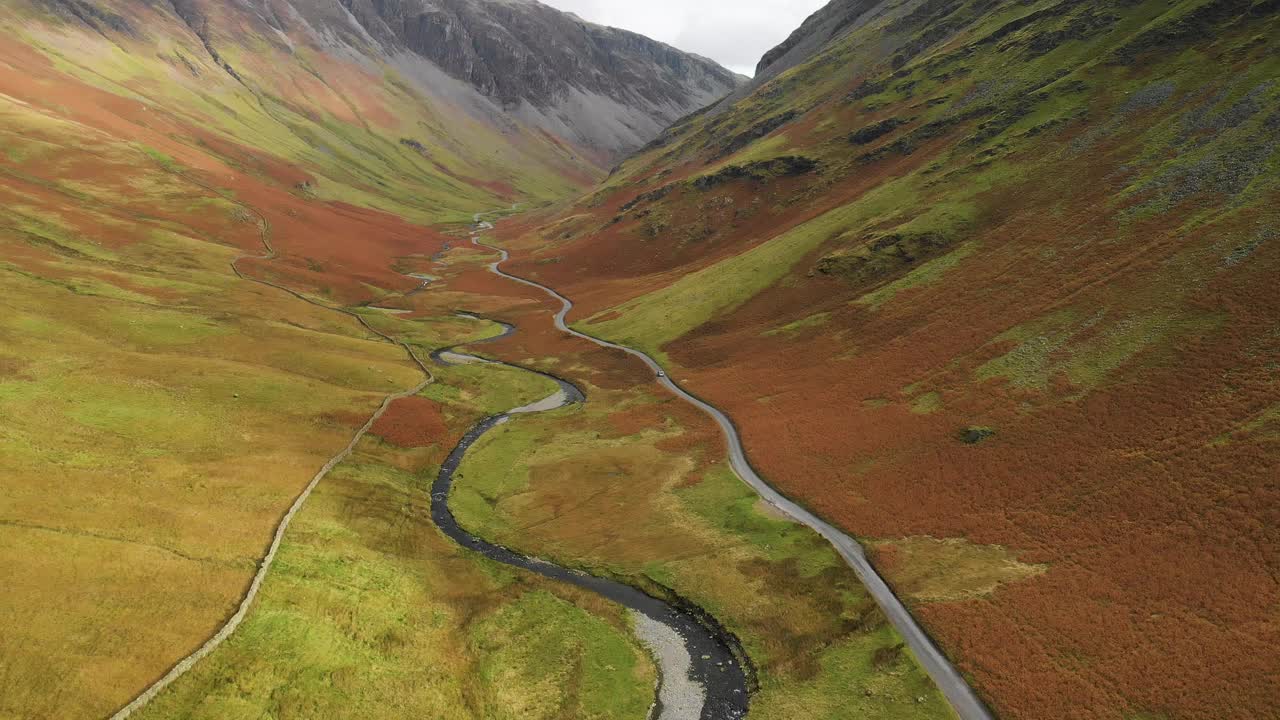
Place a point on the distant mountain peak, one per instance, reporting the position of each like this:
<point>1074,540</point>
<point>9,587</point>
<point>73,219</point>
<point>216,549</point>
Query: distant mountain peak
<point>610,89</point>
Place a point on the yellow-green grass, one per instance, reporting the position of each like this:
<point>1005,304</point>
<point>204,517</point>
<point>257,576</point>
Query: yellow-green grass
<point>658,317</point>
<point>1087,349</point>
<point>642,507</point>
<point>187,422</point>
<point>867,674</point>
<point>145,466</point>
<point>371,612</point>
<point>925,274</point>
<point>160,415</point>
<point>927,569</point>
<point>927,404</point>
<point>651,320</point>
<point>438,328</point>
<point>488,388</point>
<point>543,657</point>
<point>816,320</point>
<point>780,144</point>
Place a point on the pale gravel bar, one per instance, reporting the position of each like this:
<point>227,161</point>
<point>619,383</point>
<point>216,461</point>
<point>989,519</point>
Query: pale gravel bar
<point>679,697</point>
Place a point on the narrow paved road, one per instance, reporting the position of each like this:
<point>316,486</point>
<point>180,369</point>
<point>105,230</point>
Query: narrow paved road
<point>700,675</point>
<point>963,699</point>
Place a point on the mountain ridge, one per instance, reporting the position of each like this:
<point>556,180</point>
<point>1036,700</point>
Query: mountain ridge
<point>607,90</point>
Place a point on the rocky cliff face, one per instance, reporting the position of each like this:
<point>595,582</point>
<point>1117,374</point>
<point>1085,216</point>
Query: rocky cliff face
<point>607,89</point>
<point>520,50</point>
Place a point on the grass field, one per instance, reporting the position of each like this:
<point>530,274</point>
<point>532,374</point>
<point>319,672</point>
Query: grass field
<point>154,431</point>
<point>162,413</point>
<point>371,612</point>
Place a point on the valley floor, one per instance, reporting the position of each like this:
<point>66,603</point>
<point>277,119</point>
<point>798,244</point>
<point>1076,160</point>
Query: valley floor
<point>666,475</point>
<point>173,386</point>
<point>985,290</point>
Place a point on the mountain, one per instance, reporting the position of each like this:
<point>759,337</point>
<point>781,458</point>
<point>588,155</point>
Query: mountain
<point>991,286</point>
<point>601,87</point>
<point>605,90</point>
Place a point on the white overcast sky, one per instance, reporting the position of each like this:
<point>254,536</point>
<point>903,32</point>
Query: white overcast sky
<point>734,33</point>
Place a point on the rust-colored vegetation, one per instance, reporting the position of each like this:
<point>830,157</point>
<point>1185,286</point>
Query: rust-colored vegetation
<point>412,422</point>
<point>1034,350</point>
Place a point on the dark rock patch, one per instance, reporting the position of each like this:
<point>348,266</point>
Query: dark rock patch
<point>975,435</point>
<point>873,132</point>
<point>94,17</point>
<point>884,256</point>
<point>760,130</point>
<point>1203,22</point>
<point>651,196</point>
<point>868,88</point>
<point>763,170</point>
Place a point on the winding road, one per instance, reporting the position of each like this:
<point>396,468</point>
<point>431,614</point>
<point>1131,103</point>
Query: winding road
<point>965,702</point>
<point>700,675</point>
<point>707,659</point>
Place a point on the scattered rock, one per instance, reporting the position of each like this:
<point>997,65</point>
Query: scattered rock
<point>1200,23</point>
<point>1149,97</point>
<point>975,435</point>
<point>651,196</point>
<point>786,166</point>
<point>1242,253</point>
<point>755,132</point>
<point>873,132</point>
<point>882,256</point>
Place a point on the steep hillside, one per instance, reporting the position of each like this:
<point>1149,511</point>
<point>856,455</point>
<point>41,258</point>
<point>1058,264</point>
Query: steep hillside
<point>992,285</point>
<point>603,88</point>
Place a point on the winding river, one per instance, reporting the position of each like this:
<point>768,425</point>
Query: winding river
<point>700,677</point>
<point>965,702</point>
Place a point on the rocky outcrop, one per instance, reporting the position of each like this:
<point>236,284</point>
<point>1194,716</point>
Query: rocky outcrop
<point>98,19</point>
<point>815,34</point>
